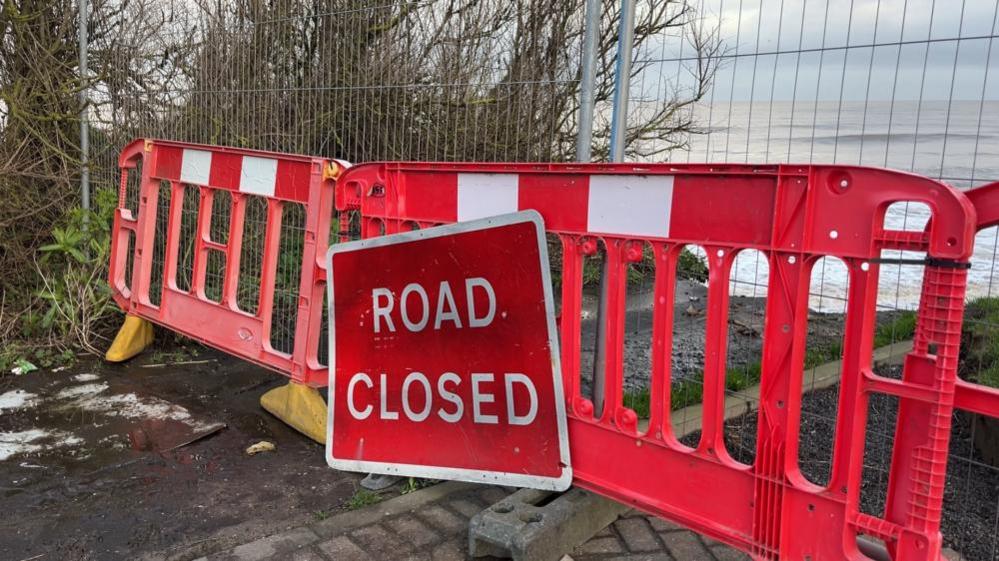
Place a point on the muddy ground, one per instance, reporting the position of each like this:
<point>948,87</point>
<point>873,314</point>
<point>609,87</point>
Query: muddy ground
<point>95,461</point>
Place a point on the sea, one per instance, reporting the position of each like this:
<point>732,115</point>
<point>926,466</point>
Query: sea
<point>956,142</point>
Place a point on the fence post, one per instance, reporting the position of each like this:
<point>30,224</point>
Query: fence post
<point>622,80</point>
<point>619,130</point>
<point>84,125</point>
<point>584,136</point>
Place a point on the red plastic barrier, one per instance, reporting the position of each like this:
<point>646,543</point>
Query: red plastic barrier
<point>174,169</point>
<point>973,397</point>
<point>793,214</point>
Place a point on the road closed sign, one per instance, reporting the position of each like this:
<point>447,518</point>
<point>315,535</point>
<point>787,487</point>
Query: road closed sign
<point>444,357</point>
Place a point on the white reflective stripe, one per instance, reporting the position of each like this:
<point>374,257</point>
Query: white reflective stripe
<point>630,205</point>
<point>258,176</point>
<point>481,195</point>
<point>195,166</point>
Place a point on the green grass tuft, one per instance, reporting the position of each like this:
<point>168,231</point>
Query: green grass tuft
<point>901,328</point>
<point>980,342</point>
<point>363,498</point>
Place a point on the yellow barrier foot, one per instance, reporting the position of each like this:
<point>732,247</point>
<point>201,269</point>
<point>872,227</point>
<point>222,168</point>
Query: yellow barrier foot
<point>135,335</point>
<point>300,407</point>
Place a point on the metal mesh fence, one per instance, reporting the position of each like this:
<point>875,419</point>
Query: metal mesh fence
<point>906,84</point>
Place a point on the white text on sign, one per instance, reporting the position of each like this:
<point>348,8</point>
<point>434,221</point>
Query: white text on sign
<point>415,310</point>
<point>451,407</point>
<point>414,313</point>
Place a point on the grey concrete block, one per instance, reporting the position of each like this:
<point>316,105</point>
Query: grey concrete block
<point>412,530</point>
<point>531,525</point>
<point>637,535</point>
<point>282,544</point>
<point>726,553</point>
<point>687,546</point>
<point>442,520</point>
<point>381,542</point>
<point>341,548</point>
<point>453,550</point>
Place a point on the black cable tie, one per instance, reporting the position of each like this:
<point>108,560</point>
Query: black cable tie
<point>929,262</point>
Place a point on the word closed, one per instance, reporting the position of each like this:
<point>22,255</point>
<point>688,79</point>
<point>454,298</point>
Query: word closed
<point>444,361</point>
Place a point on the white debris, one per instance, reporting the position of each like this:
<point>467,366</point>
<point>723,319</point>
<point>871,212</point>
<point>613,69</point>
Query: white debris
<point>69,440</point>
<point>20,442</point>
<point>132,406</point>
<point>34,440</point>
<point>86,377</point>
<point>17,399</point>
<point>79,391</point>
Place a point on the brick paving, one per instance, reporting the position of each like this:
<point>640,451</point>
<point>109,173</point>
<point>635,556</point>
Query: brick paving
<point>432,525</point>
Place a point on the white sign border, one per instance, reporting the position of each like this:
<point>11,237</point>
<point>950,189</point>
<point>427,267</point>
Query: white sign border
<point>560,483</point>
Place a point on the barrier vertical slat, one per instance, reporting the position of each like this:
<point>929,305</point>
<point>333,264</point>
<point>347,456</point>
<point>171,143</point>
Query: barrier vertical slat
<point>144,234</point>
<point>268,269</point>
<point>663,298</point>
<point>199,269</point>
<point>614,322</point>
<point>851,410</point>
<point>922,435</point>
<point>569,323</point>
<point>172,252</point>
<point>234,251</point>
<point>324,204</point>
<point>317,225</point>
<point>716,337</point>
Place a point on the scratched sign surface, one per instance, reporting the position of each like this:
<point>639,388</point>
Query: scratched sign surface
<point>444,356</point>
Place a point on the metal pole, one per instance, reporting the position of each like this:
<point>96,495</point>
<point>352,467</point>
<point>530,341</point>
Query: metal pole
<point>84,125</point>
<point>622,79</point>
<point>584,136</point>
<point>619,129</point>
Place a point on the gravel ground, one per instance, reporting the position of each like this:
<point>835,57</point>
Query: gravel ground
<point>744,345</point>
<point>971,503</point>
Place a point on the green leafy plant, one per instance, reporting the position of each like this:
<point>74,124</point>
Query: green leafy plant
<point>413,484</point>
<point>362,498</point>
<point>76,300</point>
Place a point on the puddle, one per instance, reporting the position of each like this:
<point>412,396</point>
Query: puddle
<point>16,399</point>
<point>111,468</point>
<point>34,440</point>
<point>83,422</point>
<point>77,391</point>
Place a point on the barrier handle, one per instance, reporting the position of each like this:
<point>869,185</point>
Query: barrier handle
<point>132,152</point>
<point>986,201</point>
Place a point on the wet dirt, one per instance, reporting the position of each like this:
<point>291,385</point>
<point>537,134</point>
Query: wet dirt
<point>116,462</point>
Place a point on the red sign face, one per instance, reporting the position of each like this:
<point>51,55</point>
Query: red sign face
<point>444,356</point>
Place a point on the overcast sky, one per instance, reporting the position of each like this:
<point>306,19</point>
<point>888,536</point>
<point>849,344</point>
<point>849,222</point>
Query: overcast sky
<point>936,46</point>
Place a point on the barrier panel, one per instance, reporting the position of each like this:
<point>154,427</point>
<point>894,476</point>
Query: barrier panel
<point>794,215</point>
<point>226,246</point>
